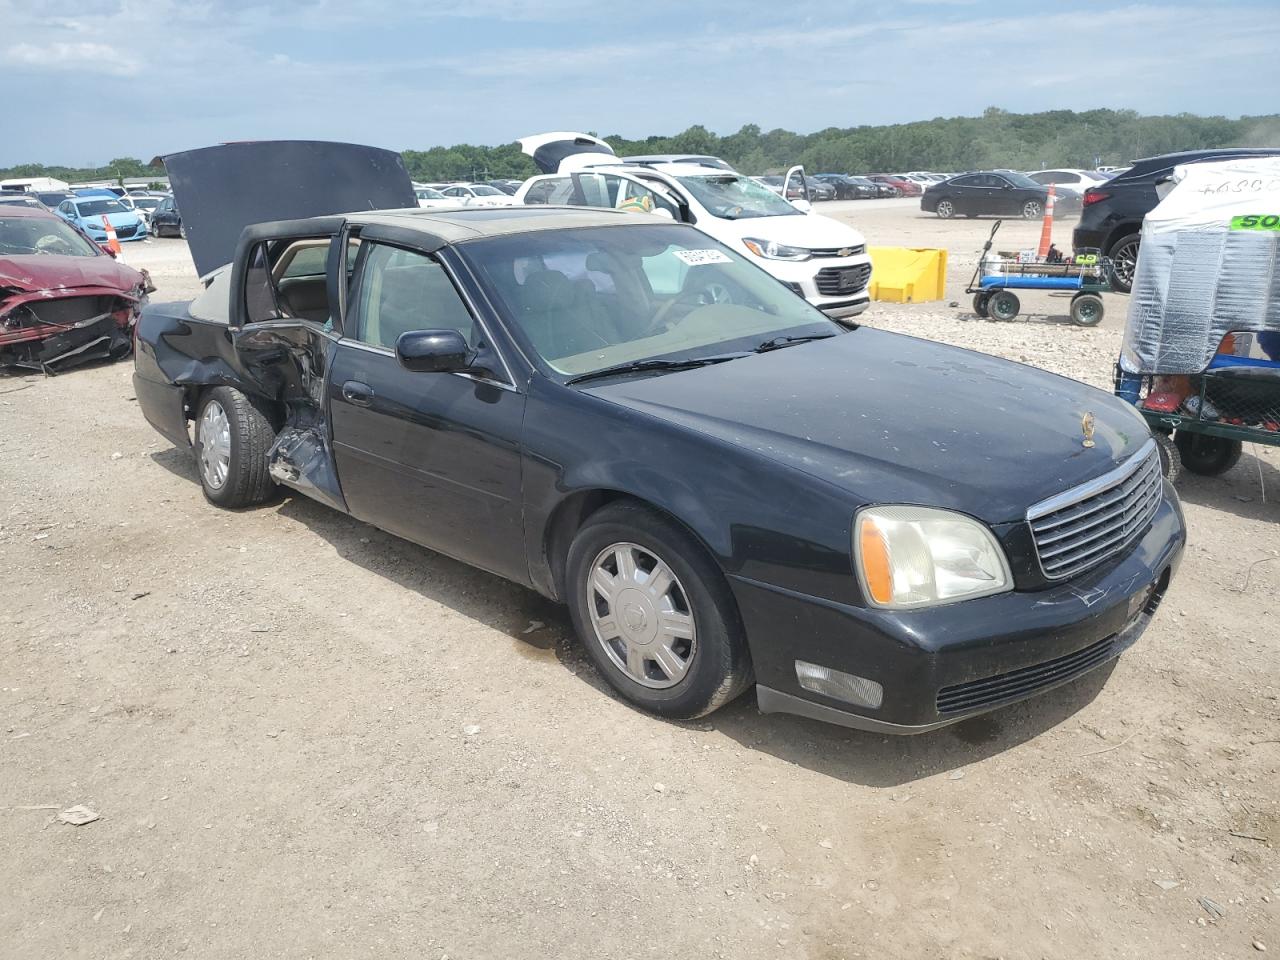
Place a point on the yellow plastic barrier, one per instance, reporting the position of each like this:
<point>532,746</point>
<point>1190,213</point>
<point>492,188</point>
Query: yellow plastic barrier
<point>905,275</point>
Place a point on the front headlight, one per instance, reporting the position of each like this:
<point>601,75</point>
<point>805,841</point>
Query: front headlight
<point>920,556</point>
<point>772,250</point>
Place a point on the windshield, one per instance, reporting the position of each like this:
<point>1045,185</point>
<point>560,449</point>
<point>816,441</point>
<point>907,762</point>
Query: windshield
<point>426,193</point>
<point>145,203</point>
<point>731,197</point>
<point>480,190</point>
<point>1020,180</point>
<point>27,236</point>
<point>597,297</point>
<point>93,208</point>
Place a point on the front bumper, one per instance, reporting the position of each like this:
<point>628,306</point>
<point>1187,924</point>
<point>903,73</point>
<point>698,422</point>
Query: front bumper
<point>949,663</point>
<point>821,281</point>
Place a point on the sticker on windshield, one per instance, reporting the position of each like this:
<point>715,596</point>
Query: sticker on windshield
<point>696,258</point>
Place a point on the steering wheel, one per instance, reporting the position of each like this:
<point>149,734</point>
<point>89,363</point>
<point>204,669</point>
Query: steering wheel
<point>50,244</point>
<point>707,294</point>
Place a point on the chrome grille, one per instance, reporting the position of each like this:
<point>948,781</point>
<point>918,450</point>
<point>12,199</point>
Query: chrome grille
<point>840,281</point>
<point>851,251</point>
<point>1082,527</point>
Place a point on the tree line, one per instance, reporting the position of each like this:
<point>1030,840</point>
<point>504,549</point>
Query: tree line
<point>998,138</point>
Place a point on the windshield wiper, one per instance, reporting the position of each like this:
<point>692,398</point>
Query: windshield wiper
<point>778,342</point>
<point>639,366</point>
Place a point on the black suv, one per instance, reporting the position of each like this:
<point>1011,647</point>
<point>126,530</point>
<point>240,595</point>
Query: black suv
<point>1112,217</point>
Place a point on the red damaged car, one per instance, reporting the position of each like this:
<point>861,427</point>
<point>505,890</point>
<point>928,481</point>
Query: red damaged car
<point>63,299</point>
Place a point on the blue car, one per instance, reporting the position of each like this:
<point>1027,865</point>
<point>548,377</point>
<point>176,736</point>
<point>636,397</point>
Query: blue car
<point>86,212</point>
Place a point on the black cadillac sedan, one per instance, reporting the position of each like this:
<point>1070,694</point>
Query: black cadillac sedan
<point>723,485</point>
<point>979,194</point>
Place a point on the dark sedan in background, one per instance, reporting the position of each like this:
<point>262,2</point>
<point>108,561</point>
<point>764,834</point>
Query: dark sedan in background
<point>986,194</point>
<point>166,221</point>
<point>1112,218</point>
<point>846,187</point>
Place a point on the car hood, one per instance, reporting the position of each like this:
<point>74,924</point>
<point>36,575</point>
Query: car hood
<point>34,273</point>
<point>893,419</point>
<point>221,190</point>
<point>123,218</point>
<point>811,230</point>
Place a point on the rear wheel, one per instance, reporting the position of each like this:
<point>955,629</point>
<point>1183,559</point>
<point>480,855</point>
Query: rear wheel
<point>232,438</point>
<point>1086,309</point>
<point>945,209</point>
<point>1207,455</point>
<point>1032,210</point>
<point>980,303</point>
<point>654,613</point>
<point>1003,305</point>
<point>1124,262</point>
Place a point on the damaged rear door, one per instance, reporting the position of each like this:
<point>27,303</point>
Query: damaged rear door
<point>286,322</point>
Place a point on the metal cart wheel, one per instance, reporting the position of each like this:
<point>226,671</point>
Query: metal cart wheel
<point>1207,455</point>
<point>980,301</point>
<point>1004,305</point>
<point>1086,309</point>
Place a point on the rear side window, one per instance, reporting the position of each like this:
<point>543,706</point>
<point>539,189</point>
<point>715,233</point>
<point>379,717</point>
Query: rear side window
<point>556,190</point>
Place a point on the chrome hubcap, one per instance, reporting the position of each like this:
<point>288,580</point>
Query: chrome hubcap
<point>641,615</point>
<point>944,208</point>
<point>1125,260</point>
<point>1032,209</point>
<point>214,436</point>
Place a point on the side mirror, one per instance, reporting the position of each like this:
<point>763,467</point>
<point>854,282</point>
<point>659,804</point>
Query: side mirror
<point>433,351</point>
<point>804,206</point>
<point>107,250</point>
<point>1006,186</point>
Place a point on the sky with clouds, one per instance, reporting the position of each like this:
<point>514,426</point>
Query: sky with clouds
<point>88,80</point>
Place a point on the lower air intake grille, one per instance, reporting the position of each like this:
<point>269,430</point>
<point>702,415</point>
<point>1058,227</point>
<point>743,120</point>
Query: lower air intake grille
<point>841,281</point>
<point>1079,529</point>
<point>1007,687</point>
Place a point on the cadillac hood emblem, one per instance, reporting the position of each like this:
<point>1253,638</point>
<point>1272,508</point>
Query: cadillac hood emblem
<point>1086,425</point>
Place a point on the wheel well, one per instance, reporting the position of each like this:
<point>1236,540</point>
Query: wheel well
<point>1119,233</point>
<point>572,512</point>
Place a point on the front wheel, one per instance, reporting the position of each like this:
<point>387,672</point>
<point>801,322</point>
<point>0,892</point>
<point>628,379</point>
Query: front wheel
<point>232,438</point>
<point>945,209</point>
<point>1124,262</point>
<point>1032,210</point>
<point>655,614</point>
<point>1086,309</point>
<point>1170,460</point>
<point>1207,455</point>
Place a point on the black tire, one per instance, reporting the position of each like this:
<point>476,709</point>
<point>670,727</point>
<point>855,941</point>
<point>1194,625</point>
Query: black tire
<point>247,481</point>
<point>981,303</point>
<point>1086,309</point>
<point>1032,210</point>
<point>1003,305</point>
<point>1207,455</point>
<point>1170,459</point>
<point>1124,261</point>
<point>719,667</point>
<point>945,208</point>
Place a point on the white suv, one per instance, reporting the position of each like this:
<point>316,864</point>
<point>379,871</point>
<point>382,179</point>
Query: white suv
<point>821,259</point>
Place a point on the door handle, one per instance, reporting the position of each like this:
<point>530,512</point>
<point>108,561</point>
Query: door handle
<point>360,394</point>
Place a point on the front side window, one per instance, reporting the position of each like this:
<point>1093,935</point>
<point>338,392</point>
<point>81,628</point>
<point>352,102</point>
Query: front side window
<point>402,290</point>
<point>733,197</point>
<point>590,298</point>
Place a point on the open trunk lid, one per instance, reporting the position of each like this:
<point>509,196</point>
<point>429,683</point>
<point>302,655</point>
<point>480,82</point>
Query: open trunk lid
<point>565,152</point>
<point>223,189</point>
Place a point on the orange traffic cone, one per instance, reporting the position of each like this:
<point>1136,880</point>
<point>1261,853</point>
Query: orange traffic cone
<point>113,244</point>
<point>1046,231</point>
